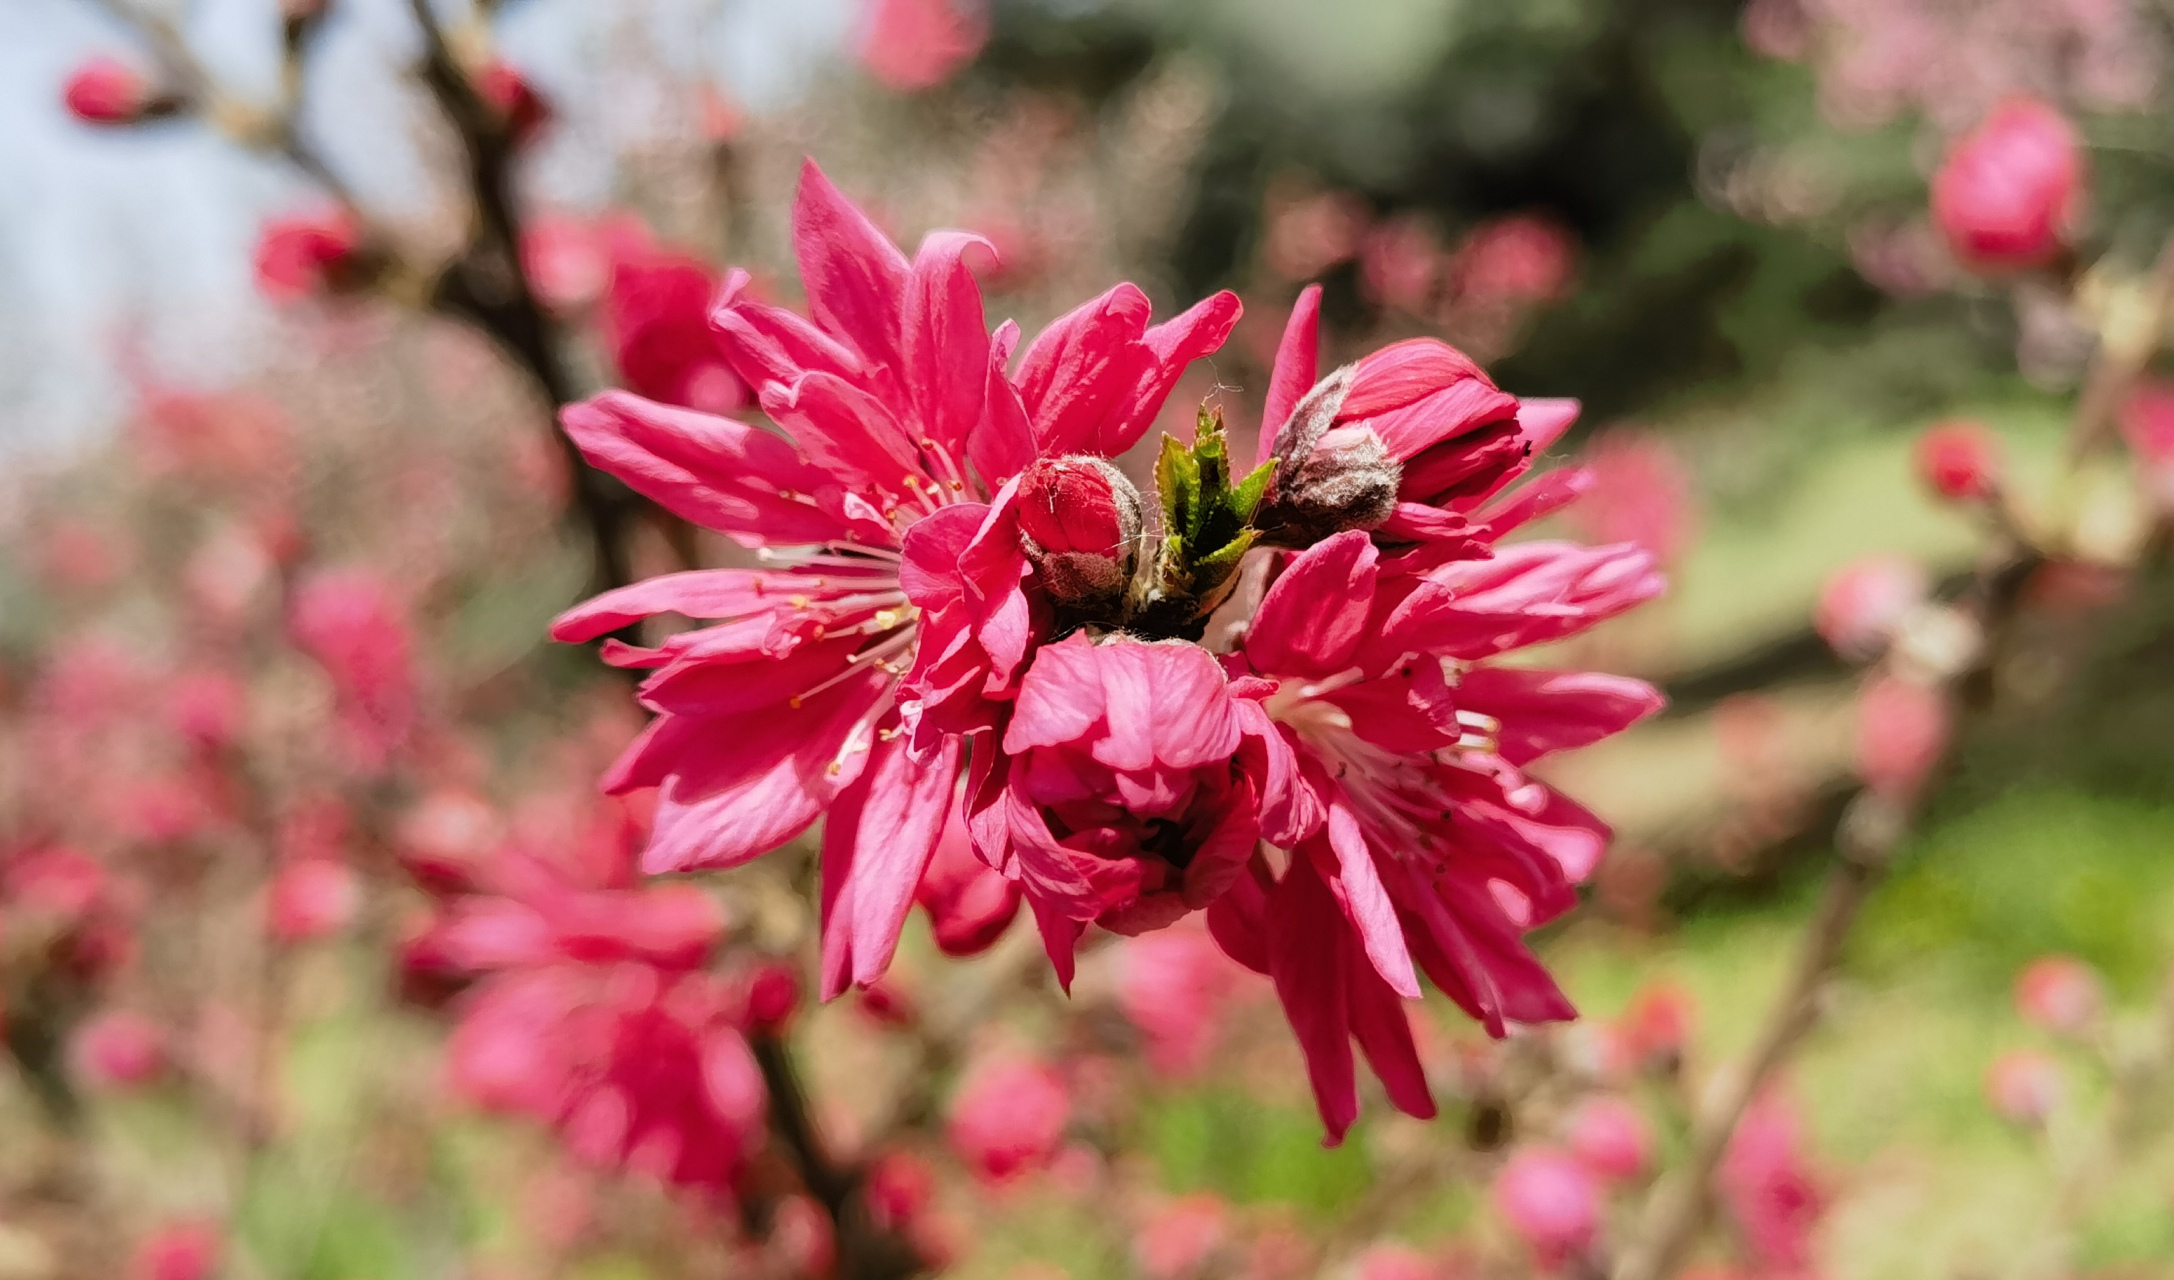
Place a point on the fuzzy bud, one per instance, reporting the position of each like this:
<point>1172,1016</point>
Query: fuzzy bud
<point>1959,461</point>
<point>107,91</point>
<point>514,98</point>
<point>1328,478</point>
<point>1080,520</point>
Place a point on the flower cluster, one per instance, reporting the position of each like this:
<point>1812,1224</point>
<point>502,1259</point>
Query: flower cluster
<point>1282,702</point>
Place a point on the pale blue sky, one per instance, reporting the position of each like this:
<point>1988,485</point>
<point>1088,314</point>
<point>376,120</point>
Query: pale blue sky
<point>148,232</point>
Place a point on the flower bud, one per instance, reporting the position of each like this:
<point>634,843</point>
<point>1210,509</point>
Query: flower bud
<point>1865,601</point>
<point>1328,478</point>
<point>311,898</point>
<point>118,1050</point>
<point>1610,1137</point>
<point>2023,1086</point>
<point>303,256</point>
<point>107,91</point>
<point>1902,729</point>
<point>2060,994</point>
<point>1080,520</point>
<point>2008,193</point>
<point>1959,460</point>
<point>178,1251</point>
<point>1550,1201</point>
<point>515,99</point>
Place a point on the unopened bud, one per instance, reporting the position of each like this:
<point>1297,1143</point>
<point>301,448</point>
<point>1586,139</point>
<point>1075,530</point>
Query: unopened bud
<point>107,91</point>
<point>514,98</point>
<point>1328,478</point>
<point>1080,520</point>
<point>1959,461</point>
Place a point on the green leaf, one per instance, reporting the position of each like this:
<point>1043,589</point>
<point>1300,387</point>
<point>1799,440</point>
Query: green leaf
<point>1177,481</point>
<point>1246,498</point>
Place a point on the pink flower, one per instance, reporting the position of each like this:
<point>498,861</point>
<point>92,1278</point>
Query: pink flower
<point>655,320</point>
<point>1396,1262</point>
<point>207,708</point>
<point>635,1066</point>
<point>1767,1187</point>
<point>1657,1025</point>
<point>911,45</point>
<point>1550,1201</point>
<point>118,1050</point>
<point>350,621</point>
<point>179,1251</point>
<point>1308,235</point>
<point>1865,601</point>
<point>1959,461</point>
<point>1008,1117</point>
<point>1180,1237</point>
<point>305,255</point>
<point>567,261</point>
<point>107,91</point>
<point>2024,1086</point>
<point>313,897</point>
<point>1399,263</point>
<point>1902,731</point>
<point>1640,493</point>
<point>2147,423</point>
<point>1523,258</point>
<point>1611,1137</point>
<point>2060,994</point>
<point>1119,795</point>
<point>1377,720</point>
<point>899,616</point>
<point>2011,190</point>
<point>1172,986</point>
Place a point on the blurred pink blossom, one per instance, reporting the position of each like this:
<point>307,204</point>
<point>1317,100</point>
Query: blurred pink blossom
<point>1864,601</point>
<point>567,260</point>
<point>1172,985</point>
<point>304,255</point>
<point>910,45</point>
<point>2023,1086</point>
<point>350,621</point>
<point>1306,235</point>
<point>179,1251</point>
<point>2060,994</point>
<point>118,1049</point>
<point>2011,191</point>
<point>2147,424</point>
<point>1902,730</point>
<point>1550,1201</point>
<point>1959,460</point>
<point>511,94</point>
<point>1521,258</point>
<point>1008,1116</point>
<point>656,321</point>
<point>1400,264</point>
<point>1768,1187</point>
<point>1395,1262</point>
<point>1611,1137</point>
<point>312,897</point>
<point>105,90</point>
<point>969,904</point>
<point>206,707</point>
<point>1181,1236</point>
<point>1641,492</point>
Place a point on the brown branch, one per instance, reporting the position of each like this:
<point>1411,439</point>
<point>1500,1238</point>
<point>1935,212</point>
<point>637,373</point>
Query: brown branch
<point>865,1249</point>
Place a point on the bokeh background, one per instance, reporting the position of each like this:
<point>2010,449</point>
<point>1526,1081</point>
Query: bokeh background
<point>241,428</point>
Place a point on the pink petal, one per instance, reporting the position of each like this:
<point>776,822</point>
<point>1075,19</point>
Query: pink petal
<point>721,474</point>
<point>1004,444</point>
<point>767,344</point>
<point>1308,970</point>
<point>1076,369</point>
<point>1196,332</point>
<point>1384,1031</point>
<point>1311,621</point>
<point>845,431</point>
<point>1297,365</point>
<point>1543,712</point>
<point>854,275</point>
<point>946,339</point>
<point>695,593</point>
<point>1358,886</point>
<point>877,841</point>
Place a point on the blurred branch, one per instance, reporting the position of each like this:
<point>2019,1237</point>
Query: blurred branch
<point>1872,827</point>
<point>866,1250</point>
<point>484,285</point>
<point>2125,348</point>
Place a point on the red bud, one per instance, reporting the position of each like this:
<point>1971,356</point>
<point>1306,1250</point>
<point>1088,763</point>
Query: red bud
<point>1959,460</point>
<point>107,91</point>
<point>1081,521</point>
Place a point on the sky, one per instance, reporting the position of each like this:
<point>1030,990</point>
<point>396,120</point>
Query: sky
<point>130,249</point>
